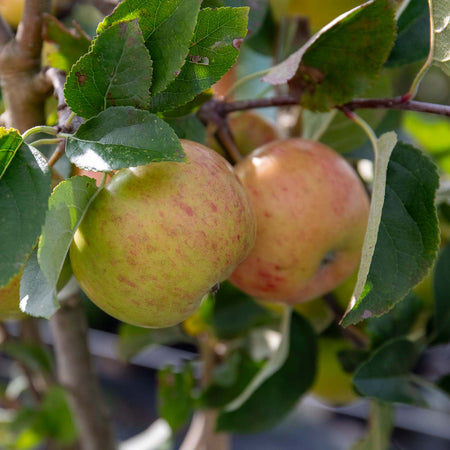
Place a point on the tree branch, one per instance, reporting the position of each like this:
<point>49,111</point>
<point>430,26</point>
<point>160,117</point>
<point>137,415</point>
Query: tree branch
<point>75,373</point>
<point>398,103</point>
<point>29,32</point>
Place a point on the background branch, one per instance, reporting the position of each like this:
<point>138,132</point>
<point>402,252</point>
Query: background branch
<point>75,373</point>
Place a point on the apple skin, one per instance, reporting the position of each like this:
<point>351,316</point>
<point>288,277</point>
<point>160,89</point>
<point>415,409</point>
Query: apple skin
<point>311,215</point>
<point>158,237</point>
<point>332,385</point>
<point>250,131</point>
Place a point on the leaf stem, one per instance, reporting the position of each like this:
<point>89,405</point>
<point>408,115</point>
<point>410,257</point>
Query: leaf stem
<point>46,142</point>
<point>39,129</point>
<point>244,80</point>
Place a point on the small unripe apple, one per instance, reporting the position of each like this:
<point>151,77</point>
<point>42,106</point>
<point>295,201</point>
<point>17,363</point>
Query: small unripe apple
<point>250,131</point>
<point>311,215</point>
<point>333,385</point>
<point>158,237</point>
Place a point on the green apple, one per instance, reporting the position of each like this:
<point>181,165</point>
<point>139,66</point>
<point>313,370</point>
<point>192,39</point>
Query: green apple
<point>319,14</point>
<point>332,384</point>
<point>311,215</point>
<point>250,131</point>
<point>159,237</point>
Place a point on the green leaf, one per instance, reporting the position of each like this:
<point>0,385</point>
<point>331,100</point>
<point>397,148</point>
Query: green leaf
<point>340,61</point>
<point>386,375</point>
<point>55,418</point>
<point>235,313</point>
<point>24,193</point>
<point>37,298</point>
<point>10,142</point>
<point>413,35</point>
<point>175,401</point>
<point>66,208</point>
<point>71,44</point>
<point>36,357</point>
<point>187,127</point>
<point>442,297</point>
<point>123,137</point>
<point>133,340</point>
<point>230,379</point>
<point>382,421</point>
<point>440,22</point>
<point>167,28</point>
<point>280,393</point>
<point>116,72</point>
<point>344,135</point>
<point>401,244</point>
<point>396,322</point>
<point>213,50</point>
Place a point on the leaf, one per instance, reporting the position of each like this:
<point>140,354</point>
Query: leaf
<point>37,298</point>
<point>132,340</point>
<point>10,142</point>
<point>235,313</point>
<point>382,421</point>
<point>115,72</point>
<point>175,401</point>
<point>386,374</point>
<point>167,28</point>
<point>213,50</point>
<point>70,44</point>
<point>123,137</point>
<point>397,322</point>
<point>440,23</point>
<point>36,357</point>
<point>187,127</point>
<point>403,235</point>
<point>413,35</point>
<point>230,379</point>
<point>281,392</point>
<point>66,208</point>
<point>442,297</point>
<point>56,420</point>
<point>340,61</point>
<point>272,365</point>
<point>24,193</point>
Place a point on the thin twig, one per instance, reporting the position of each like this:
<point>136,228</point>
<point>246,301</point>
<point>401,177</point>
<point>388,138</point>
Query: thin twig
<point>351,332</point>
<point>398,103</point>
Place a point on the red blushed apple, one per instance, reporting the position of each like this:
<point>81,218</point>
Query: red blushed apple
<point>311,216</point>
<point>157,238</point>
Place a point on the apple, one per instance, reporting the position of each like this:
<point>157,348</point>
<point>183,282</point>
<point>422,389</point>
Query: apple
<point>12,10</point>
<point>319,13</point>
<point>250,131</point>
<point>332,385</point>
<point>159,237</point>
<point>311,215</point>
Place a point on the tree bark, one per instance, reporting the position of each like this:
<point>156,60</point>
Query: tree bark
<point>75,373</point>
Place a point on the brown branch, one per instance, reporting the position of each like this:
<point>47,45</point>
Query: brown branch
<point>75,373</point>
<point>23,87</point>
<point>398,103</point>
<point>29,32</point>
